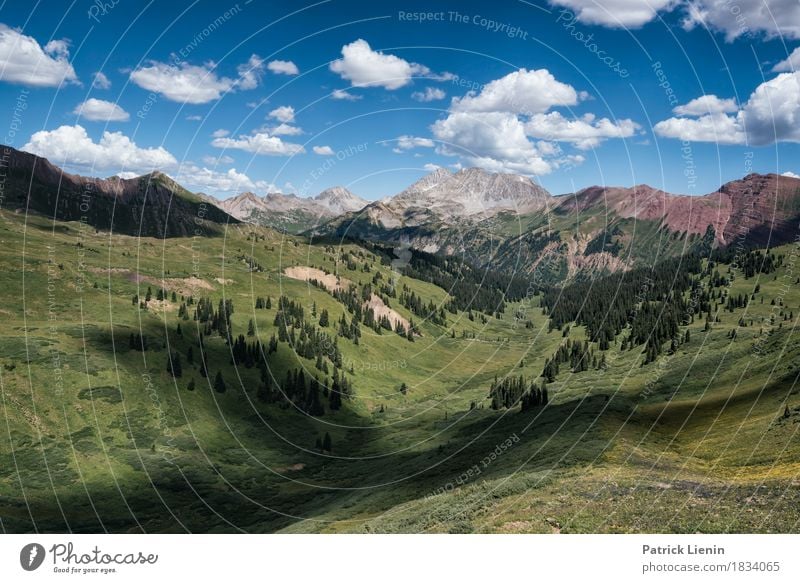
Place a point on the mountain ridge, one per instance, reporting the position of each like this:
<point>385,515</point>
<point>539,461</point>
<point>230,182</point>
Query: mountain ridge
<point>149,205</point>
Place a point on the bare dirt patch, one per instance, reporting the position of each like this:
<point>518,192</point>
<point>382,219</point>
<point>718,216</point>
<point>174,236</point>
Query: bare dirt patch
<point>382,309</point>
<point>332,283</point>
<point>329,281</point>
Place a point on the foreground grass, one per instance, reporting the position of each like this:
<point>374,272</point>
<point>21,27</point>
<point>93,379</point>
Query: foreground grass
<point>100,437</point>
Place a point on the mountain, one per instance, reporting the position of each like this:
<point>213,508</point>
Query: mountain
<point>449,198</point>
<point>471,192</point>
<point>289,212</point>
<point>757,208</point>
<point>339,200</point>
<point>512,224</point>
<point>152,205</point>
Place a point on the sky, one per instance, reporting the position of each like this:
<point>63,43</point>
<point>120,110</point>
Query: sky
<point>297,97</point>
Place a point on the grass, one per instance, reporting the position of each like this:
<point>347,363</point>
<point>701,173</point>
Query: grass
<point>100,437</point>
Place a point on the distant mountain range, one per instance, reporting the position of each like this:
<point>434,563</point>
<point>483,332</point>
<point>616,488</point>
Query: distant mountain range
<point>504,221</point>
<point>289,212</point>
<point>152,205</point>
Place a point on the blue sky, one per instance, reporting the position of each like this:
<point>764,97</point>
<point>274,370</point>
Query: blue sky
<point>300,96</point>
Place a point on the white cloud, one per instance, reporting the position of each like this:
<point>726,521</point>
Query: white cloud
<point>790,63</point>
<point>771,114</point>
<point>285,129</point>
<point>495,141</point>
<point>71,145</point>
<point>195,84</point>
<point>214,160</point>
<point>23,61</point>
<point>772,18</point>
<point>718,127</point>
<point>525,92</point>
<point>430,94</point>
<point>707,104</point>
<point>323,150</point>
<point>100,81</point>
<point>284,113</point>
<point>250,72</point>
<point>344,95</point>
<point>202,179</point>
<point>431,167</point>
<point>126,175</point>
<point>405,143</point>
<point>790,174</point>
<point>506,126</point>
<point>99,110</point>
<point>364,67</point>
<point>260,143</point>
<point>613,13</point>
<point>585,132</point>
<point>283,67</point>
<point>194,118</point>
<point>220,133</point>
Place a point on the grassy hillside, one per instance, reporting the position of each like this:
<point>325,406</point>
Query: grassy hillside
<point>99,435</point>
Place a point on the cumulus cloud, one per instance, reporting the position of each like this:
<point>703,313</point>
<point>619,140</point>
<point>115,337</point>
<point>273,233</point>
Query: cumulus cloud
<point>71,145</point>
<point>584,132</point>
<point>100,81</point>
<point>220,133</point>
<point>99,110</point>
<point>772,18</point>
<point>771,114</point>
<point>323,150</point>
<point>525,92</point>
<point>790,174</point>
<point>405,143</point>
<point>284,113</point>
<point>718,127</point>
<point>507,126</point>
<point>250,73</point>
<point>202,179</point>
<point>341,94</point>
<point>364,67</point>
<point>195,84</point>
<point>285,129</point>
<point>495,141</point>
<point>25,62</point>
<point>615,13</point>
<point>430,94</point>
<point>707,104</point>
<point>775,18</point>
<point>790,63</point>
<point>262,142</point>
<point>283,67</point>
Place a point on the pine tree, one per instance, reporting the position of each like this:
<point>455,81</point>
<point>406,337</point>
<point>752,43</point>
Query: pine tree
<point>219,383</point>
<point>324,319</point>
<point>251,328</point>
<point>174,364</point>
<point>190,386</point>
<point>326,442</point>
